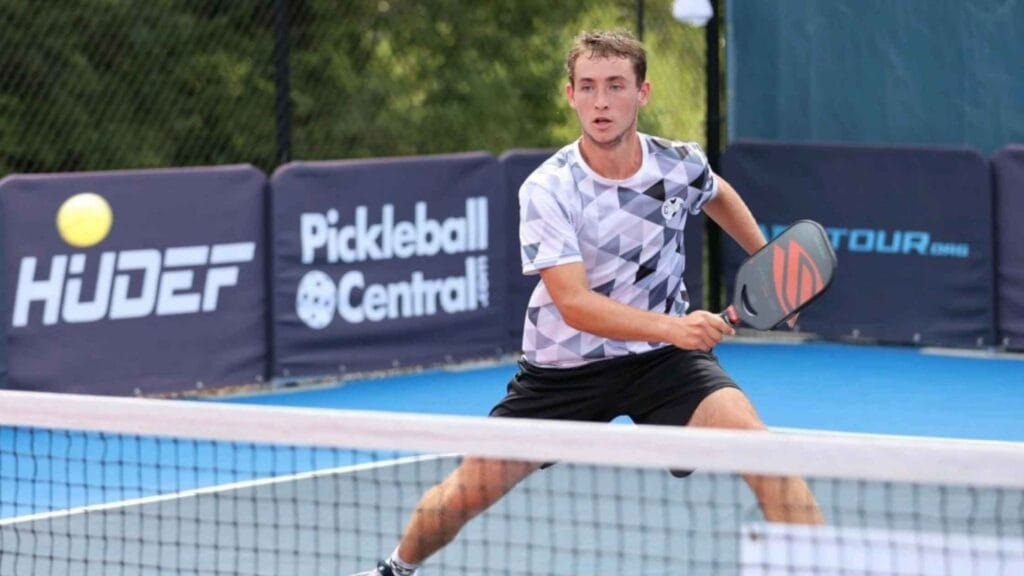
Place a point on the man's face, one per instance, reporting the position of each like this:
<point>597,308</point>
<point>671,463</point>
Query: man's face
<point>606,98</point>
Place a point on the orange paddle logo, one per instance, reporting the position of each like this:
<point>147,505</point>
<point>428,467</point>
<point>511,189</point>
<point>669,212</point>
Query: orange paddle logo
<point>797,278</point>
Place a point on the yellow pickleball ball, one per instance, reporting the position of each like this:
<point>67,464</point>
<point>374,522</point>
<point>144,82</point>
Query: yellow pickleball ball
<point>84,219</point>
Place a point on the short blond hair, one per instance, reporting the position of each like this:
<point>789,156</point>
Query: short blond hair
<point>605,44</point>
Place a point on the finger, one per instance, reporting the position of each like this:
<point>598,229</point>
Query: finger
<point>698,342</point>
<point>712,339</point>
<point>712,334</point>
<point>720,328</point>
<point>717,323</point>
<point>724,327</point>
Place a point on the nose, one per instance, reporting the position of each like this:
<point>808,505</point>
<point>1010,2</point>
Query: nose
<point>601,100</point>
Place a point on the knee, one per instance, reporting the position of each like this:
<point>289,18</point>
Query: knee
<point>468,500</point>
<point>743,422</point>
<point>470,491</point>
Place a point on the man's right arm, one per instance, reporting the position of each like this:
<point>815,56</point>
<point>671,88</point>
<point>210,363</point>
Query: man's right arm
<point>588,311</point>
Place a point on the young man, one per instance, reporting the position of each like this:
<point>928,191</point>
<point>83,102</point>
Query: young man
<point>606,331</point>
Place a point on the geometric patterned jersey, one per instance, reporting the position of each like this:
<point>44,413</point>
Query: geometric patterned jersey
<point>627,233</point>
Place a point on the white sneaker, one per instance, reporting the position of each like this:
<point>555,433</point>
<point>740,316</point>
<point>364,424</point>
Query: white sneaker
<point>382,569</point>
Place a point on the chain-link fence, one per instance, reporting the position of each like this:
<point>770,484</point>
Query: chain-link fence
<point>113,84</point>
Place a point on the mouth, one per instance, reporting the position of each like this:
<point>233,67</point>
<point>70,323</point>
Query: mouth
<point>602,122</point>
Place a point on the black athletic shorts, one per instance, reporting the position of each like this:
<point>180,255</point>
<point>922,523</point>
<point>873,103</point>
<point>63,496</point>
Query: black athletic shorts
<point>661,387</point>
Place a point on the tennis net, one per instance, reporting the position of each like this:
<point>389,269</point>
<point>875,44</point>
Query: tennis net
<point>100,485</point>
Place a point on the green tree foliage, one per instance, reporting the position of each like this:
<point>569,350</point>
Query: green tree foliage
<point>386,78</point>
<point>99,84</point>
<point>110,84</point>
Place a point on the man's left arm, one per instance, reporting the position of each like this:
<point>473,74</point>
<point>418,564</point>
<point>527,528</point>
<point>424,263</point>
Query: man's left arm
<point>731,213</point>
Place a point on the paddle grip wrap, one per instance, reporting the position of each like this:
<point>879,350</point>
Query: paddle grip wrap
<point>730,316</point>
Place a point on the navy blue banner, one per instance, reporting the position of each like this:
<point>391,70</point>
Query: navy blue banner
<point>4,312</point>
<point>516,166</point>
<point>135,282</point>
<point>693,243</point>
<point>912,229</point>
<point>388,262</point>
<point>1008,165</point>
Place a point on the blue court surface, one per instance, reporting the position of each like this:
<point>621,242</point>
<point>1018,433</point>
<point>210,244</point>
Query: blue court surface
<point>807,385</point>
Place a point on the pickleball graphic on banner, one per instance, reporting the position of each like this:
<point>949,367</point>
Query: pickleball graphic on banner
<point>84,219</point>
<point>315,302</point>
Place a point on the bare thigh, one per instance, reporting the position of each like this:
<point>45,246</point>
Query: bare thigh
<point>727,408</point>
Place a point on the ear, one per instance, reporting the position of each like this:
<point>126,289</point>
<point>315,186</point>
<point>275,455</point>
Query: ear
<point>570,95</point>
<point>644,93</point>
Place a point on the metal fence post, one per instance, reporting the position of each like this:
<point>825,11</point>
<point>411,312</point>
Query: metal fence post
<point>281,80</point>
<point>714,143</point>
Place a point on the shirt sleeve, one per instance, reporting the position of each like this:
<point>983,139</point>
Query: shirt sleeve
<point>703,184</point>
<point>547,230</point>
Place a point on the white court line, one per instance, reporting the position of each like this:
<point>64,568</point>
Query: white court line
<point>209,490</point>
<point>974,354</point>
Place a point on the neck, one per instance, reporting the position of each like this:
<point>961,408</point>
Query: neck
<point>616,160</point>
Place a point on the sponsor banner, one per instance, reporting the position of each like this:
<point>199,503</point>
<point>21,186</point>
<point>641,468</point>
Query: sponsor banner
<point>3,300</point>
<point>693,276</point>
<point>388,262</point>
<point>1008,165</point>
<point>148,281</point>
<point>517,165</point>
<point>783,549</point>
<point>912,230</point>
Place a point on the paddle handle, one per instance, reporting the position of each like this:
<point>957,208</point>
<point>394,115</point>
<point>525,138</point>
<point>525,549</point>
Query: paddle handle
<point>730,316</point>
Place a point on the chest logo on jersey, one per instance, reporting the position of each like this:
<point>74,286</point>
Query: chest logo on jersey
<point>671,207</point>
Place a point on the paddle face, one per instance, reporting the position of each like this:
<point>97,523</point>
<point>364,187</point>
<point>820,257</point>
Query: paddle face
<point>783,277</point>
